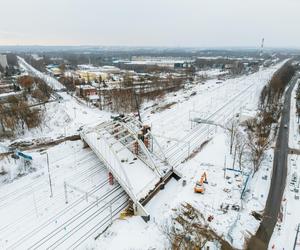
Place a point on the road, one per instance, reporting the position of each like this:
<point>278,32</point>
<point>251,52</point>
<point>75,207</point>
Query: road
<point>262,237</point>
<point>52,82</point>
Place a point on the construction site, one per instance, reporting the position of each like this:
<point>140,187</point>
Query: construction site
<point>91,179</point>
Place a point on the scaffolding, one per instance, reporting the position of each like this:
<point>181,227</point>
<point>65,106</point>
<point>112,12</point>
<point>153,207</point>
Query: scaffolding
<point>132,155</point>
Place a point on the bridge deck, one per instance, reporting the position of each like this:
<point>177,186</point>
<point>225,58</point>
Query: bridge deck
<point>133,156</point>
<point>132,173</point>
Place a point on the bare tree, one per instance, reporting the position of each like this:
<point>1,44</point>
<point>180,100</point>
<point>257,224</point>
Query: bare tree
<point>232,129</point>
<point>128,81</point>
<point>241,146</point>
<point>190,230</point>
<point>2,116</point>
<point>257,146</point>
<point>17,113</point>
<point>26,82</point>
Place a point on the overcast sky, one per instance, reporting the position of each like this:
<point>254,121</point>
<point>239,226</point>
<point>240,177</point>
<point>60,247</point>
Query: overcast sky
<point>180,23</point>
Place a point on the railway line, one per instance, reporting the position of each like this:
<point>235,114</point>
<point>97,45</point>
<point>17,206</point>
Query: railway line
<point>35,185</point>
<point>81,176</point>
<point>179,151</point>
<point>77,225</point>
<point>17,191</point>
<point>55,217</point>
<point>176,121</point>
<point>73,224</point>
<point>29,214</point>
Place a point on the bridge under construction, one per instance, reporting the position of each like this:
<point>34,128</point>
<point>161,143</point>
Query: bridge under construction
<point>133,158</point>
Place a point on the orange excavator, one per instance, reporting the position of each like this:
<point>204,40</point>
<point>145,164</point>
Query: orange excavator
<point>199,186</point>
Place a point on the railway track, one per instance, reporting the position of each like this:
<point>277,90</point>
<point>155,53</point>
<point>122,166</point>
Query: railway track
<point>75,223</point>
<point>81,177</point>
<point>180,151</point>
<point>42,205</point>
<point>80,222</point>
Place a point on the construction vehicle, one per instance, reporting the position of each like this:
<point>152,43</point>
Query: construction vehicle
<point>199,186</point>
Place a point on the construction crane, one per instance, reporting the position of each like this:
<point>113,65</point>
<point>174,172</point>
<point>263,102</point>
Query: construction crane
<point>199,186</point>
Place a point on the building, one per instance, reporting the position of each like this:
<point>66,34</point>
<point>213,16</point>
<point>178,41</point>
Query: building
<point>93,99</point>
<point>90,73</point>
<point>85,91</point>
<point>54,70</point>
<point>181,65</point>
<point>90,76</point>
<point>3,61</point>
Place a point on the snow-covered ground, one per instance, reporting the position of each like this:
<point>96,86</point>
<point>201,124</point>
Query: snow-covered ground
<point>213,102</point>
<point>52,82</point>
<point>63,118</point>
<point>28,211</point>
<point>31,218</point>
<point>173,125</point>
<point>66,117</point>
<point>211,73</point>
<point>285,232</point>
<point>133,233</point>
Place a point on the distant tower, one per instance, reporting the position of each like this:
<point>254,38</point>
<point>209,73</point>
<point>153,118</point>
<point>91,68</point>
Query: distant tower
<point>262,47</point>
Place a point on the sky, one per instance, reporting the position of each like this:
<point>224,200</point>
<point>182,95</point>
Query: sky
<point>175,23</point>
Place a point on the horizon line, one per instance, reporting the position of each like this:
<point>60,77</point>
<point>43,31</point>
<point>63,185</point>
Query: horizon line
<point>153,46</point>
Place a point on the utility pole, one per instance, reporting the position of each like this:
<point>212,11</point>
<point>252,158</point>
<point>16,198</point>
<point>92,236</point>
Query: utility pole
<point>49,176</point>
<point>66,192</point>
<point>34,202</point>
<point>50,183</point>
<point>99,97</point>
<point>296,238</point>
<point>110,212</point>
<point>225,167</point>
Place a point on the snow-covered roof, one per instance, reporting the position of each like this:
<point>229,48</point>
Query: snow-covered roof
<point>85,87</point>
<point>93,97</point>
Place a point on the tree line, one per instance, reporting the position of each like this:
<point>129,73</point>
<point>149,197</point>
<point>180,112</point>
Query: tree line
<point>131,96</point>
<point>250,144</point>
<point>17,112</point>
